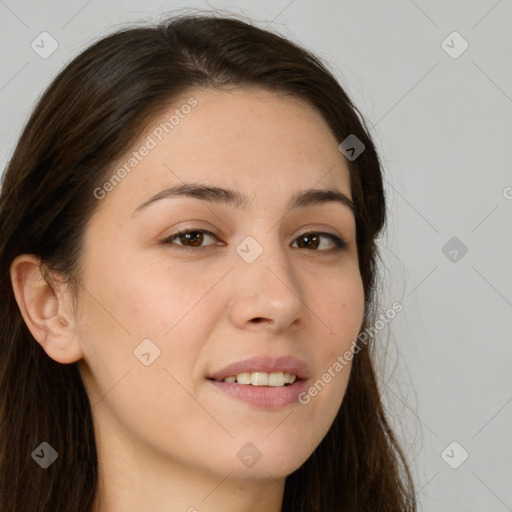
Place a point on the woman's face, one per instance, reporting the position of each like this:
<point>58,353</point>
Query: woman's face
<point>161,314</point>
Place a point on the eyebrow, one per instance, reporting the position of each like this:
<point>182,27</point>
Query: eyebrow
<point>234,199</point>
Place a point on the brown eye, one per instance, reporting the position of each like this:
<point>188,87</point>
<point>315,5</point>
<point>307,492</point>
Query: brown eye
<point>309,241</point>
<point>189,238</point>
<point>194,238</point>
<point>312,240</point>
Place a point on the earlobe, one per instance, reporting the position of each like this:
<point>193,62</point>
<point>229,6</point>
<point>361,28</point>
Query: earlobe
<point>45,310</point>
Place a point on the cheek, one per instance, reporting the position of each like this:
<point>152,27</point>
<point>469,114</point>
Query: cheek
<point>130,314</point>
<point>127,305</point>
<point>340,308</point>
<point>170,303</point>
<point>341,311</point>
<point>146,297</point>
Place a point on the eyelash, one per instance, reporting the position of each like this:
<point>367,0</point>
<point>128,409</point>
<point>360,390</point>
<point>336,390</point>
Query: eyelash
<point>339,242</point>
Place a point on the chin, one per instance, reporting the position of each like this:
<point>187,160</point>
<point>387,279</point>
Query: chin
<point>266,458</point>
<point>265,471</point>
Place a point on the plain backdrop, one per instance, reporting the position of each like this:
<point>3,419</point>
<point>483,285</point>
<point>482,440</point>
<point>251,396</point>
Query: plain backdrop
<point>439,107</point>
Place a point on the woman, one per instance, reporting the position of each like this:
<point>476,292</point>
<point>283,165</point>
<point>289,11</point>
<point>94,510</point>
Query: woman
<point>189,263</point>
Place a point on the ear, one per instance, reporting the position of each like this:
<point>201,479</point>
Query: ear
<point>46,311</point>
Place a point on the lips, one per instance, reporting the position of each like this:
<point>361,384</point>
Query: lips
<point>285,364</point>
<point>272,397</point>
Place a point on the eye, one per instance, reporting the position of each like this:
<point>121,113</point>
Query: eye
<point>194,238</point>
<point>189,238</point>
<point>312,239</point>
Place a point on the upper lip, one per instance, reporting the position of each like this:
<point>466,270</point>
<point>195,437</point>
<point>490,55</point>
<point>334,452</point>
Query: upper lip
<point>285,364</point>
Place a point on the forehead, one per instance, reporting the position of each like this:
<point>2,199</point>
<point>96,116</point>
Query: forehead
<point>255,123</point>
<point>241,138</point>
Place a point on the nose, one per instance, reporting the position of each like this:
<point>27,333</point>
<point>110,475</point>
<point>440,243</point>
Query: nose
<point>267,292</point>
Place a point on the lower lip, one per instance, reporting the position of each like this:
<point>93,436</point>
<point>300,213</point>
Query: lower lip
<point>269,398</point>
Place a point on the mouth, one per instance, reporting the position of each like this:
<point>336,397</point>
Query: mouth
<point>274,379</point>
<point>263,371</point>
<point>263,382</point>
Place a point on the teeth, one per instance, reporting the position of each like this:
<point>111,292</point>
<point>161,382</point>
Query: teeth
<point>275,379</point>
<point>243,378</point>
<point>259,379</point>
<point>288,377</point>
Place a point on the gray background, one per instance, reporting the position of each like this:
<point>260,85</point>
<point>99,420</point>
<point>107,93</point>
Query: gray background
<point>443,127</point>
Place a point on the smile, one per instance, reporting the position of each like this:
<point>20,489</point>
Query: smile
<point>274,379</point>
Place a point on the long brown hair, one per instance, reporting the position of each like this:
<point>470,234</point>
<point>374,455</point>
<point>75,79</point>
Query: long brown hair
<point>89,116</point>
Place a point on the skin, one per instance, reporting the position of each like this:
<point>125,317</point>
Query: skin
<point>167,440</point>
